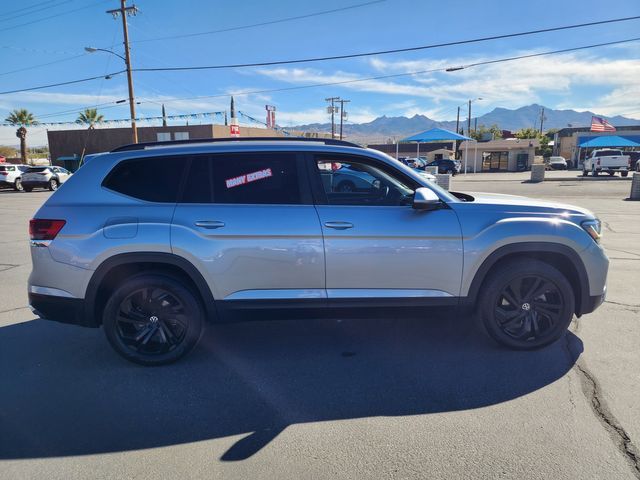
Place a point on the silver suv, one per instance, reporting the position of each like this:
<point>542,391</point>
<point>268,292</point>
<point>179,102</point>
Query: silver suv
<point>152,241</point>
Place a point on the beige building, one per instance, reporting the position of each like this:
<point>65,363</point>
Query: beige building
<point>510,155</point>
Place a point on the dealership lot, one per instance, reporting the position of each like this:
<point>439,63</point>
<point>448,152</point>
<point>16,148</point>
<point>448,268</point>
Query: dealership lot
<point>348,398</point>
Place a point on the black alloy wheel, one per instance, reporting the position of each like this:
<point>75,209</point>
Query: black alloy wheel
<point>529,304</point>
<point>153,319</point>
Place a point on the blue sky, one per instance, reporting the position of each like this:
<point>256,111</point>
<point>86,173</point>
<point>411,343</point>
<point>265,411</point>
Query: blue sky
<point>604,79</point>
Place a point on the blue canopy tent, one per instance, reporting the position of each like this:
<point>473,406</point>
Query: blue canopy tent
<point>437,135</point>
<point>606,141</point>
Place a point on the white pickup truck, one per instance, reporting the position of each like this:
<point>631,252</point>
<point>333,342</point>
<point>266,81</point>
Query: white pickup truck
<point>609,160</point>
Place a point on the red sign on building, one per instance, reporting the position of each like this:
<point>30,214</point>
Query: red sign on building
<point>234,130</point>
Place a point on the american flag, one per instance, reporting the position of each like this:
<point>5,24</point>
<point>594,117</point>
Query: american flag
<point>599,124</point>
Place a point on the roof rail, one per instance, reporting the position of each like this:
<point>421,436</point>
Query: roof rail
<point>142,146</point>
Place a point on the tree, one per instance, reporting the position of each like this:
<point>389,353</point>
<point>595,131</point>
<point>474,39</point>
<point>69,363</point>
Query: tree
<point>24,118</point>
<point>89,116</point>
<point>532,133</point>
<point>8,152</point>
<point>482,132</point>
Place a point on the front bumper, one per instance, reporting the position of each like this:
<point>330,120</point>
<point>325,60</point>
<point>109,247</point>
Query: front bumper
<point>59,309</point>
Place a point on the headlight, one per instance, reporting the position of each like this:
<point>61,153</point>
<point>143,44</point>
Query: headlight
<point>593,228</point>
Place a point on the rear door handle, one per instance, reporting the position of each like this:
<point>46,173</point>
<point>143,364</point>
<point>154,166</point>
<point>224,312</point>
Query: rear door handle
<point>338,225</point>
<point>209,224</point>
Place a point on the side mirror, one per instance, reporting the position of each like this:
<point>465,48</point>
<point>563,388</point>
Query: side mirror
<point>425,199</point>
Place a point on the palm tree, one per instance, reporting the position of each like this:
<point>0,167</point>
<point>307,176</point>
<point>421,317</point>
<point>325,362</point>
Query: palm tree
<point>24,118</point>
<point>90,116</point>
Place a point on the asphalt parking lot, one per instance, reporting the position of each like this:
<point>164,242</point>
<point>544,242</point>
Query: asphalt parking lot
<point>352,398</point>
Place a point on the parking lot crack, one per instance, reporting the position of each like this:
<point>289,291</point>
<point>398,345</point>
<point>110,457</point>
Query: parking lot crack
<point>7,266</point>
<point>593,393</point>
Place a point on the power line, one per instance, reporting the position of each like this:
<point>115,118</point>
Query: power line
<point>29,7</point>
<point>35,11</point>
<point>271,22</point>
<point>385,52</point>
<point>4,29</point>
<point>405,74</point>
<point>50,85</point>
<point>42,64</point>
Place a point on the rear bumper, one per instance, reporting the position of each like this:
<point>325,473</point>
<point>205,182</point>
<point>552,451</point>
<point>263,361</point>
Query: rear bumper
<point>35,184</point>
<point>59,309</point>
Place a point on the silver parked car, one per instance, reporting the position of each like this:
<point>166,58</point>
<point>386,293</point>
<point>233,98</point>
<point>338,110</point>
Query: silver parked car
<point>155,240</point>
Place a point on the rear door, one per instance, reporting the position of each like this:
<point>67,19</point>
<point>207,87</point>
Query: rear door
<point>376,245</point>
<point>247,221</point>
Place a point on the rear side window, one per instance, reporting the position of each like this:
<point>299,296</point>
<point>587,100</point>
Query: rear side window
<point>155,179</point>
<point>609,153</point>
<point>244,178</point>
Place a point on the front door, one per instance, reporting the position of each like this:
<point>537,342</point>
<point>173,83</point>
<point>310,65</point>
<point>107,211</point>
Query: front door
<point>376,245</point>
<point>247,221</point>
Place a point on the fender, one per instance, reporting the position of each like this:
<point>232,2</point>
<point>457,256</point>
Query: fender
<point>533,247</point>
<point>146,257</point>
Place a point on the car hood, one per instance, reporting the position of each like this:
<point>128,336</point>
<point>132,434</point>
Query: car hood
<point>515,203</point>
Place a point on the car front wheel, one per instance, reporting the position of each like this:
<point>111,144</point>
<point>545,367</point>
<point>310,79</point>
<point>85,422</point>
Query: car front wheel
<point>528,304</point>
<point>153,319</point>
<point>17,186</point>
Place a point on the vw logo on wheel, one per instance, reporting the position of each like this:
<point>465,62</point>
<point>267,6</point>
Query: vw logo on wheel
<point>526,306</point>
<point>154,319</point>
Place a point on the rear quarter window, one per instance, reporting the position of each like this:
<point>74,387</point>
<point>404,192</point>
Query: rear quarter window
<point>154,179</point>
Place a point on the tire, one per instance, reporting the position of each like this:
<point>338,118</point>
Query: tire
<point>17,185</point>
<point>624,174</point>
<point>512,309</point>
<point>611,174</point>
<point>163,319</point>
<point>594,172</point>
<point>53,185</point>
<point>584,172</point>
<point>27,189</point>
<point>345,187</point>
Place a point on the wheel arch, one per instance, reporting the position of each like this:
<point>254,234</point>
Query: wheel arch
<point>115,269</point>
<point>562,257</point>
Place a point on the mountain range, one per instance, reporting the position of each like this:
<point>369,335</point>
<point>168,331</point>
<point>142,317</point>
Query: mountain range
<point>385,127</point>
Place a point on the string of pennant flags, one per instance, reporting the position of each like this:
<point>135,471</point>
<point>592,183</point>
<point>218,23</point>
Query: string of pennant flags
<point>123,121</point>
<point>275,127</point>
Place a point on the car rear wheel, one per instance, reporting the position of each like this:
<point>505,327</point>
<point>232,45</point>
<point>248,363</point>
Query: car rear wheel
<point>153,319</point>
<point>624,174</point>
<point>528,304</point>
<point>53,184</point>
<point>17,185</point>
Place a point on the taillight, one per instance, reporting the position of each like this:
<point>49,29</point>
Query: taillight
<point>4,173</point>
<point>41,229</point>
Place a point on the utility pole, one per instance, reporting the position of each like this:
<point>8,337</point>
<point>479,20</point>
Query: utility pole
<point>458,121</point>
<point>123,12</point>
<point>332,110</point>
<point>469,120</point>
<point>343,114</point>
<point>541,119</point>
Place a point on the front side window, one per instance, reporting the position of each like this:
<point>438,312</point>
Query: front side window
<point>154,179</point>
<point>243,178</point>
<point>353,181</point>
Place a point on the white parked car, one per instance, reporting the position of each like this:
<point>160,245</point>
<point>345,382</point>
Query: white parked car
<point>557,163</point>
<point>44,177</point>
<point>606,160</point>
<point>11,176</point>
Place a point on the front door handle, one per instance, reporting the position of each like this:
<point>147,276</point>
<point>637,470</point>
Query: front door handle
<point>338,225</point>
<point>209,224</point>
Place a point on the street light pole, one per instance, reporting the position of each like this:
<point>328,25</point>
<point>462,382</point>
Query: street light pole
<point>123,11</point>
